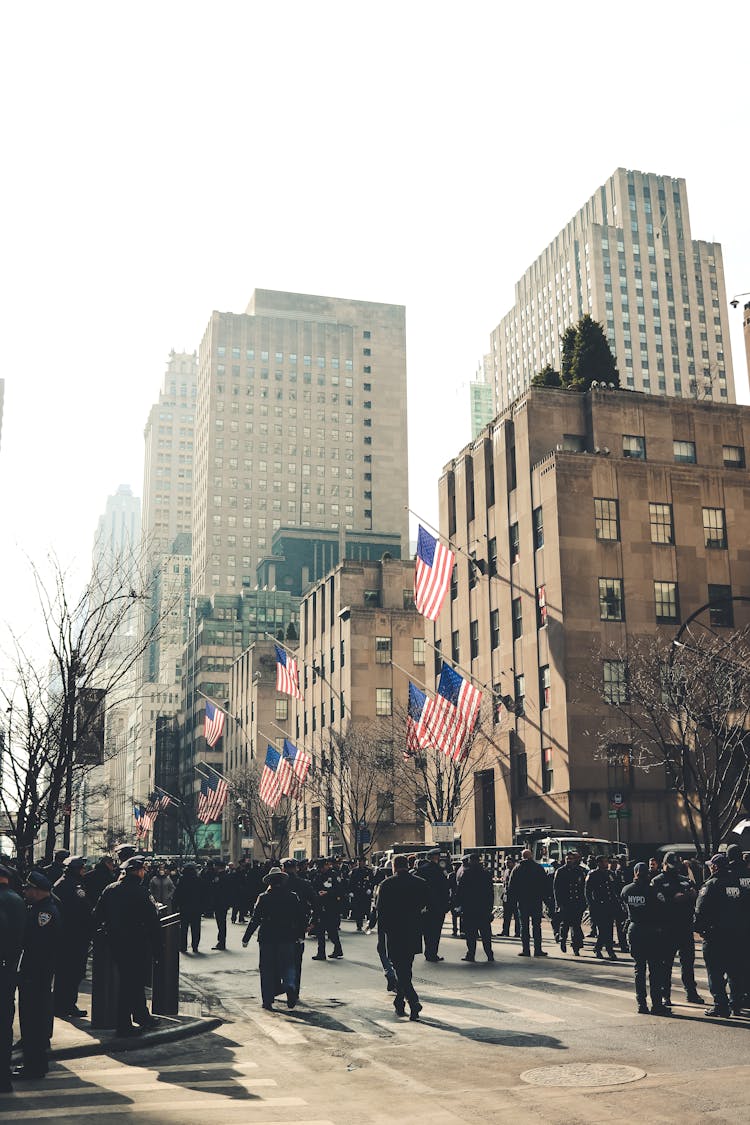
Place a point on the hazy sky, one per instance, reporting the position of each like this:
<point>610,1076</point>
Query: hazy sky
<point>161,160</point>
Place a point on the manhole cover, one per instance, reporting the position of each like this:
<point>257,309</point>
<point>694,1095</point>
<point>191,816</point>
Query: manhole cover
<point>583,1074</point>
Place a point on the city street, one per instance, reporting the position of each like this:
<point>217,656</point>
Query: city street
<point>343,1056</point>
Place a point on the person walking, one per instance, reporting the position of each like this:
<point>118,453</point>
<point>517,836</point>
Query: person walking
<point>402,901</point>
<point>327,888</point>
<point>569,888</point>
<point>476,898</point>
<point>646,917</point>
<point>360,884</point>
<point>278,916</point>
<point>719,919</point>
<point>42,933</point>
<point>162,886</point>
<point>604,903</point>
<point>528,889</point>
<point>439,892</point>
<point>220,901</point>
<point>130,921</point>
<point>189,900</point>
<point>12,928</point>
<point>508,864</point>
<point>678,894</point>
<point>306,896</point>
<point>75,939</point>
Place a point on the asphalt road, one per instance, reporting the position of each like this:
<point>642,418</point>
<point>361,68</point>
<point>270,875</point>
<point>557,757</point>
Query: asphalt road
<point>343,1057</point>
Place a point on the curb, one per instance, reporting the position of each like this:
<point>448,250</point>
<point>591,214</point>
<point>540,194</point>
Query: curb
<point>198,1026</point>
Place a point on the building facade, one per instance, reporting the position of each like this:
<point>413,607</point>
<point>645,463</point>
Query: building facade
<point>597,520</point>
<point>628,259</point>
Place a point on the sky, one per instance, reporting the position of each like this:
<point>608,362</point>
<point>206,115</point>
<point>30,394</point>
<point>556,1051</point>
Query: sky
<point>164,160</point>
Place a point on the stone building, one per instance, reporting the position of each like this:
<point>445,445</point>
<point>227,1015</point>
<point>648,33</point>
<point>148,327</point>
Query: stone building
<point>596,518</point>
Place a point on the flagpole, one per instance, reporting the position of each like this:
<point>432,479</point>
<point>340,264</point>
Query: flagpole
<point>465,674</point>
<point>411,676</point>
<point>316,671</point>
<point>208,766</point>
<point>478,563</point>
<point>176,800</point>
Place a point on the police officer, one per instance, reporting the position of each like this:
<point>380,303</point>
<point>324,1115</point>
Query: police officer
<point>569,887</point>
<point>12,926</point>
<point>476,897</point>
<point>360,883</point>
<point>54,870</point>
<point>678,894</point>
<point>439,891</point>
<point>41,939</point>
<point>719,916</point>
<point>528,890</point>
<point>402,900</point>
<point>306,896</point>
<point>646,913</point>
<point>73,951</point>
<point>278,916</point>
<point>738,867</point>
<point>131,922</point>
<point>327,888</point>
<point>221,899</point>
<point>604,904</point>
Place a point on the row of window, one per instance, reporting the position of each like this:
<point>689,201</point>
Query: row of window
<point>661,522</point>
<point>634,448</point>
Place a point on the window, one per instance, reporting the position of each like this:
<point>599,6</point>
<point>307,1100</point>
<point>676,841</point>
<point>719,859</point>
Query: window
<point>666,602</point>
<point>282,709</point>
<point>382,650</point>
<point>495,628</point>
<point>541,606</point>
<point>408,598</point>
<point>515,544</point>
<point>474,639</point>
<point>372,599</point>
<point>418,650</point>
<point>538,523</point>
<point>607,518</point>
<point>721,612</point>
<point>660,517</point>
<point>734,456</point>
<point>383,701</point>
<point>611,605</point>
<point>634,447</point>
<point>615,681</point>
<point>684,452</point>
<point>520,774</point>
<point>544,686</point>
<point>455,646</point>
<point>386,812</point>
<point>519,690</point>
<point>618,768</point>
<point>517,616</point>
<point>548,774</point>
<point>492,557</point>
<point>714,527</point>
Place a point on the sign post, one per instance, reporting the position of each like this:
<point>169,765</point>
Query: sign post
<point>442,832</point>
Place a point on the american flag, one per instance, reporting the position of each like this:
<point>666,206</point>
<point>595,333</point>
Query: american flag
<point>287,675</point>
<point>143,821</point>
<point>213,727</point>
<point>269,790</point>
<point>451,716</point>
<point>416,736</point>
<point>212,798</point>
<point>432,574</point>
<point>293,769</point>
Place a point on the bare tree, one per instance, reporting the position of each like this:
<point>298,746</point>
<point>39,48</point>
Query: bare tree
<point>685,709</point>
<point>270,827</point>
<point>58,701</point>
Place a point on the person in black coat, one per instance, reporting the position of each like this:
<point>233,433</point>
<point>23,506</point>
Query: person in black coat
<point>279,918</point>
<point>40,943</point>
<point>476,898</point>
<point>98,878</point>
<point>130,921</point>
<point>720,913</point>
<point>306,896</point>
<point>402,902</point>
<point>678,893</point>
<point>646,916</point>
<point>603,898</point>
<point>327,888</point>
<point>569,886</point>
<point>77,930</point>
<point>12,927</point>
<point>528,889</point>
<point>189,900</point>
<point>439,890</point>
<point>361,885</point>
<point>221,899</point>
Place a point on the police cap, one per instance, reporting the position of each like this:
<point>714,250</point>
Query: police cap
<point>135,863</point>
<point>5,872</point>
<point>640,869</point>
<point>39,881</point>
<point>124,851</point>
<point>671,859</point>
<point>718,860</point>
<point>75,861</point>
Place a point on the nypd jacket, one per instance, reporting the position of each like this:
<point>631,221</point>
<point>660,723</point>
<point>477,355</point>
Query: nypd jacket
<point>721,906</point>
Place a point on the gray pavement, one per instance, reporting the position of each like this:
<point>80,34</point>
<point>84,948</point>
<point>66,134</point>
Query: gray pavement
<point>344,1058</point>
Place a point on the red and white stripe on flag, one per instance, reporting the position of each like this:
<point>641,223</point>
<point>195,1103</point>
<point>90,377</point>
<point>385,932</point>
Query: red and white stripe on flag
<point>432,574</point>
<point>287,677</point>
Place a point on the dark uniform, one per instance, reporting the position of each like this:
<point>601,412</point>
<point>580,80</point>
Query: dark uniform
<point>131,922</point>
<point>646,915</point>
<point>306,895</point>
<point>739,869</point>
<point>12,927</point>
<point>439,891</point>
<point>569,887</point>
<point>402,900</point>
<point>220,886</point>
<point>73,951</point>
<point>327,888</point>
<point>360,884</point>
<point>189,899</point>
<point>476,898</point>
<point>278,916</point>
<point>719,917</point>
<point>102,875</point>
<point>603,901</point>
<point>528,889</point>
<point>42,936</point>
<point>678,895</point>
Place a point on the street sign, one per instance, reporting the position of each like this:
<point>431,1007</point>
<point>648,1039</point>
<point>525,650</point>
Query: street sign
<point>442,832</point>
<point>365,835</point>
<point>619,814</point>
<point>247,842</point>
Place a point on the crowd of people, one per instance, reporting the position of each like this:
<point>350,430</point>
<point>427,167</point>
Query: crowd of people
<point>652,911</point>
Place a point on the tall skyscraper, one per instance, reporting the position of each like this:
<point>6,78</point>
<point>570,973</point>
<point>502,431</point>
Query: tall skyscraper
<point>628,258</point>
<point>481,397</point>
<point>300,421</point>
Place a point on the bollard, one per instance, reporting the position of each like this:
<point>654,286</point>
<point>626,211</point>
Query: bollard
<point>104,984</point>
<point>165,987</point>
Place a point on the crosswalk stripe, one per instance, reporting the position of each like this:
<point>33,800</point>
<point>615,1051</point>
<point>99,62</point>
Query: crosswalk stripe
<point>282,1033</point>
<point>86,1068</point>
<point>163,1108</point>
<point>142,1087</point>
<point>527,994</point>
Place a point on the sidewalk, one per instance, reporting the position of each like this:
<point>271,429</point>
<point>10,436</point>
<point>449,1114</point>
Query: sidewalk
<point>75,1039</point>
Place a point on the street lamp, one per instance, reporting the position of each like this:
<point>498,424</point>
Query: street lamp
<point>737,298</point>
